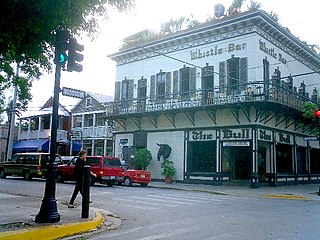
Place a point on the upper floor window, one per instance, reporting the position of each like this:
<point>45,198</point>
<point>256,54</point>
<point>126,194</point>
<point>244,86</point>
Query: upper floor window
<point>184,81</point>
<point>161,85</point>
<point>77,121</point>
<point>100,119</point>
<point>88,120</point>
<point>88,102</point>
<point>125,89</point>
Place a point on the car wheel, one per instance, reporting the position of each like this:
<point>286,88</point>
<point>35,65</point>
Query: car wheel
<point>2,174</point>
<point>144,184</point>
<point>110,184</point>
<point>27,176</point>
<point>60,178</point>
<point>127,182</point>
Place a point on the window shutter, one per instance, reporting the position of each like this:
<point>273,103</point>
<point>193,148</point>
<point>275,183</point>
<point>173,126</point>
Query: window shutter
<point>168,85</point>
<point>175,84</point>
<point>222,76</point>
<point>192,79</point>
<point>243,73</point>
<point>152,87</point>
<point>130,90</point>
<point>117,91</point>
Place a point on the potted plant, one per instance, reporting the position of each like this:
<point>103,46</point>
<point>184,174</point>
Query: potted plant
<point>168,171</point>
<point>142,159</point>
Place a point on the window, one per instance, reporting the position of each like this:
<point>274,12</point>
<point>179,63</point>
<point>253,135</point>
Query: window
<point>100,119</point>
<point>125,89</point>
<point>88,120</point>
<point>161,85</point>
<point>88,102</point>
<point>184,81</point>
<point>77,121</point>
<point>237,74</point>
<point>111,163</point>
<point>93,161</point>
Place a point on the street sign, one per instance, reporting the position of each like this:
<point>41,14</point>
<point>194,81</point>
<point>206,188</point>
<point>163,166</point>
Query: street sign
<point>311,139</point>
<point>75,93</point>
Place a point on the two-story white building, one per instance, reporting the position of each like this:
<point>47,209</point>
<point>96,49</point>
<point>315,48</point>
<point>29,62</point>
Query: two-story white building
<point>35,130</point>
<point>90,129</point>
<point>227,96</point>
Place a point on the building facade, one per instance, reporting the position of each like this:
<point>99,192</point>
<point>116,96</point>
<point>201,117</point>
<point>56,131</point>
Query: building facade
<point>35,130</point>
<point>90,129</point>
<point>227,96</point>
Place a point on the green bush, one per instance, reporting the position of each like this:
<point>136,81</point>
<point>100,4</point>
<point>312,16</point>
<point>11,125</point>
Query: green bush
<point>168,169</point>
<point>142,159</point>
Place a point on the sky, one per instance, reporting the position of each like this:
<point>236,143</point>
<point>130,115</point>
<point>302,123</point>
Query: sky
<point>98,74</point>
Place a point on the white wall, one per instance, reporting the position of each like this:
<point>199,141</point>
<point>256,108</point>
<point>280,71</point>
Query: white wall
<point>176,141</point>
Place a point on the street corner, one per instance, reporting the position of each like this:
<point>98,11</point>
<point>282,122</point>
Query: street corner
<point>285,196</point>
<point>57,230</point>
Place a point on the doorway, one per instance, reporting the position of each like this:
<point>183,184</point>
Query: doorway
<point>237,161</point>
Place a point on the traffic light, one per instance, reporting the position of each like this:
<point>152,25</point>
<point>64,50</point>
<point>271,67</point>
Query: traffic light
<point>74,57</point>
<point>62,42</point>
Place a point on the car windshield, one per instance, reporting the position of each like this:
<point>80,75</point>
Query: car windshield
<point>111,162</point>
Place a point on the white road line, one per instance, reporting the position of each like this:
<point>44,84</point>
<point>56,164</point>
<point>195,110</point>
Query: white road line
<point>192,197</point>
<point>170,234</point>
<point>162,200</point>
<point>145,202</point>
<point>139,207</point>
<point>122,233</point>
<point>178,198</point>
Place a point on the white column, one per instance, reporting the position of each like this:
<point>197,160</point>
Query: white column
<point>29,128</point>
<point>39,126</point>
<point>19,131</point>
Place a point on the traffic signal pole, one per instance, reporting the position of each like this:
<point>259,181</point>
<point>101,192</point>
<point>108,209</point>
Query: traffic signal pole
<point>49,212</point>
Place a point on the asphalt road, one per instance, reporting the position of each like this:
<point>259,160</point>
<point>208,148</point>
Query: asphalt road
<point>153,213</point>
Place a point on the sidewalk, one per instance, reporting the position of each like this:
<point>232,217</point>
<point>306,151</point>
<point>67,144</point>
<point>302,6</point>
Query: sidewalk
<point>298,192</point>
<point>18,212</point>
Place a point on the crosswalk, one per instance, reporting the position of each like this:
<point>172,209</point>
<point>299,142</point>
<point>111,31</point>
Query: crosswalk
<point>156,201</point>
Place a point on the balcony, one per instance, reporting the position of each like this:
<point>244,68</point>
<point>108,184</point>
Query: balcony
<point>91,132</point>
<point>219,96</point>
<point>62,135</point>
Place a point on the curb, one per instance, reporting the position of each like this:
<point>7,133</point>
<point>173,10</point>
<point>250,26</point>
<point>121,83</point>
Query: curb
<point>55,231</point>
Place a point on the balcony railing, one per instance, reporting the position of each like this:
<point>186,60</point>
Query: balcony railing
<point>251,92</point>
<point>92,132</point>
<point>62,135</point>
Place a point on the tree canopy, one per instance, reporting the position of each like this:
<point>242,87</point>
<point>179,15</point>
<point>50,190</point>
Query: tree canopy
<point>26,35</point>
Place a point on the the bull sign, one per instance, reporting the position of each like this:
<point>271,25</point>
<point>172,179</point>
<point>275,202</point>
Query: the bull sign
<point>164,151</point>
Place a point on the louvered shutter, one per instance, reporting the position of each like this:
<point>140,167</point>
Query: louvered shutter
<point>222,76</point>
<point>243,73</point>
<point>192,79</point>
<point>175,84</point>
<point>117,91</point>
<point>130,90</point>
<point>168,85</point>
<point>152,87</point>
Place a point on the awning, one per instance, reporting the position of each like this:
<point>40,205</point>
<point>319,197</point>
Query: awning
<point>31,145</point>
<point>76,146</point>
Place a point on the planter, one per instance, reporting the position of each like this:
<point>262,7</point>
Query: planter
<point>168,180</point>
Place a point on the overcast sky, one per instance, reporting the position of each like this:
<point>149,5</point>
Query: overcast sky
<point>301,17</point>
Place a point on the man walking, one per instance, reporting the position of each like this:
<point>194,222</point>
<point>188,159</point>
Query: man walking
<point>78,175</point>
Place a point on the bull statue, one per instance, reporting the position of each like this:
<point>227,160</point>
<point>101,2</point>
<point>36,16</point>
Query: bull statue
<point>164,151</point>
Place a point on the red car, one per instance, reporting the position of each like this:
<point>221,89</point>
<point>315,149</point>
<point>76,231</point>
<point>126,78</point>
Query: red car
<point>141,177</point>
<point>108,170</point>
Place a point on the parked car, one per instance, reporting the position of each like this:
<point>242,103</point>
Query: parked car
<point>108,169</point>
<point>66,159</point>
<point>131,176</point>
<point>27,165</point>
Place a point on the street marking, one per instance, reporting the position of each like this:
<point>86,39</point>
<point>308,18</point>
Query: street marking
<point>145,202</point>
<point>177,198</point>
<point>124,232</point>
<point>171,233</point>
<point>192,197</point>
<point>139,207</point>
<point>162,200</point>
<point>290,197</point>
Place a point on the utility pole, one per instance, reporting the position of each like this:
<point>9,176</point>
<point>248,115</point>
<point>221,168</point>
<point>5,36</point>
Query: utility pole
<point>49,212</point>
<point>12,119</point>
